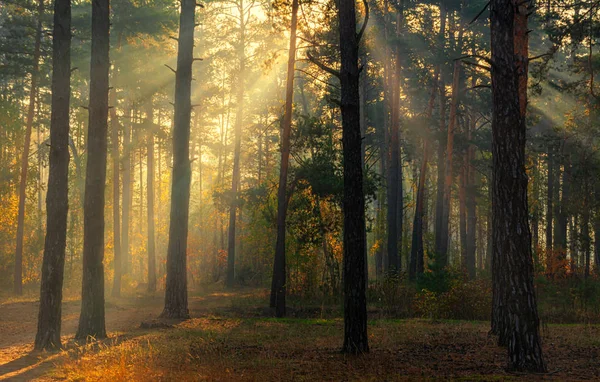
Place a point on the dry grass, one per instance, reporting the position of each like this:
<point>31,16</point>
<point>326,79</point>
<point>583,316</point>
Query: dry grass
<point>228,349</point>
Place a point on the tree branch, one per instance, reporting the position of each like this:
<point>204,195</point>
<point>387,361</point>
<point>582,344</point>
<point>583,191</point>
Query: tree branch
<point>321,65</point>
<point>364,26</point>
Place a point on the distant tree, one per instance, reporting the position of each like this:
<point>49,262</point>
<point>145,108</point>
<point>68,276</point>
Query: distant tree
<point>92,320</point>
<point>176,301</point>
<point>278,287</point>
<point>18,278</point>
<point>57,198</point>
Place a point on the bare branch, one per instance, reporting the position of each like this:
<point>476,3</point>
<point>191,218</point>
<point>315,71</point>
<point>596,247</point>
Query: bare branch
<point>364,26</point>
<point>480,13</point>
<point>321,65</point>
<point>173,70</point>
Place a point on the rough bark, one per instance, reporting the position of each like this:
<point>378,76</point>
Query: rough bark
<point>355,302</point>
<point>57,197</point>
<point>18,275</point>
<point>91,320</point>
<point>471,204</point>
<point>176,298</point>
<point>278,287</point>
<point>513,264</point>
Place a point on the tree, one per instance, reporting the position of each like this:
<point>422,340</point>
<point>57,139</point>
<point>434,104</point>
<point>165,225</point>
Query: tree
<point>355,301</point>
<point>150,195</point>
<point>176,303</point>
<point>396,199</point>
<point>278,288</point>
<point>57,198</point>
<point>91,320</point>
<point>239,121</point>
<point>114,122</point>
<point>18,278</point>
<point>513,265</point>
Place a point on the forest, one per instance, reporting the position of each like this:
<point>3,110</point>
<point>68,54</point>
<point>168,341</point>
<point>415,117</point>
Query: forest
<point>300,190</point>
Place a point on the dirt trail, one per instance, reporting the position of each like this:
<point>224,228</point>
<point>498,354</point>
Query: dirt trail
<point>18,325</point>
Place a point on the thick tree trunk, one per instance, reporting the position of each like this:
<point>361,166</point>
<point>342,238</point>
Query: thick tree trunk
<point>57,197</point>
<point>150,196</point>
<point>278,287</point>
<point>176,298</point>
<point>18,275</point>
<point>355,302</point>
<point>513,264</point>
<point>91,320</point>
<point>239,121</point>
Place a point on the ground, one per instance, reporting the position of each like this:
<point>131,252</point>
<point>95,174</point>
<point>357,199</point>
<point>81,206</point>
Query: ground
<point>230,337</point>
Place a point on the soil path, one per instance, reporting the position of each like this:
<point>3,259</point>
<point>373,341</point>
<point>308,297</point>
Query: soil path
<point>18,325</point>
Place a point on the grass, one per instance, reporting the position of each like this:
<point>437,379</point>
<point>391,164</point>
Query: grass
<point>227,349</point>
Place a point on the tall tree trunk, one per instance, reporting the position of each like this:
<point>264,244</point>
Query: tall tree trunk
<point>471,203</point>
<point>127,197</point>
<point>239,121</point>
<point>441,153</point>
<point>150,195</point>
<point>91,320</point>
<point>57,197</point>
<point>18,275</point>
<point>176,301</point>
<point>445,223</point>
<point>549,212</point>
<point>278,287</point>
<point>462,210</point>
<point>585,229</point>
<point>417,253</point>
<point>355,302</point>
<point>513,264</point>
<point>114,122</point>
<point>395,208</point>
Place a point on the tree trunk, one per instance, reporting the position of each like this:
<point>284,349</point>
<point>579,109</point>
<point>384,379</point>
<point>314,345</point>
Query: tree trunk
<point>116,291</point>
<point>176,302</point>
<point>445,223</point>
<point>471,203</point>
<point>395,201</point>
<point>513,264</point>
<point>18,276</point>
<point>150,196</point>
<point>462,211</point>
<point>549,212</point>
<point>441,153</point>
<point>91,320</point>
<point>417,254</point>
<point>127,197</point>
<point>278,287</point>
<point>57,197</point>
<point>355,302</point>
<point>239,121</point>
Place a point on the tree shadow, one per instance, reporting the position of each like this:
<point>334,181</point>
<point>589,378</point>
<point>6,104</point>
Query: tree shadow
<point>37,363</point>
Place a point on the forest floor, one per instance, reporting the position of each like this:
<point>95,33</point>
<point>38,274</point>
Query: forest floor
<point>230,338</point>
